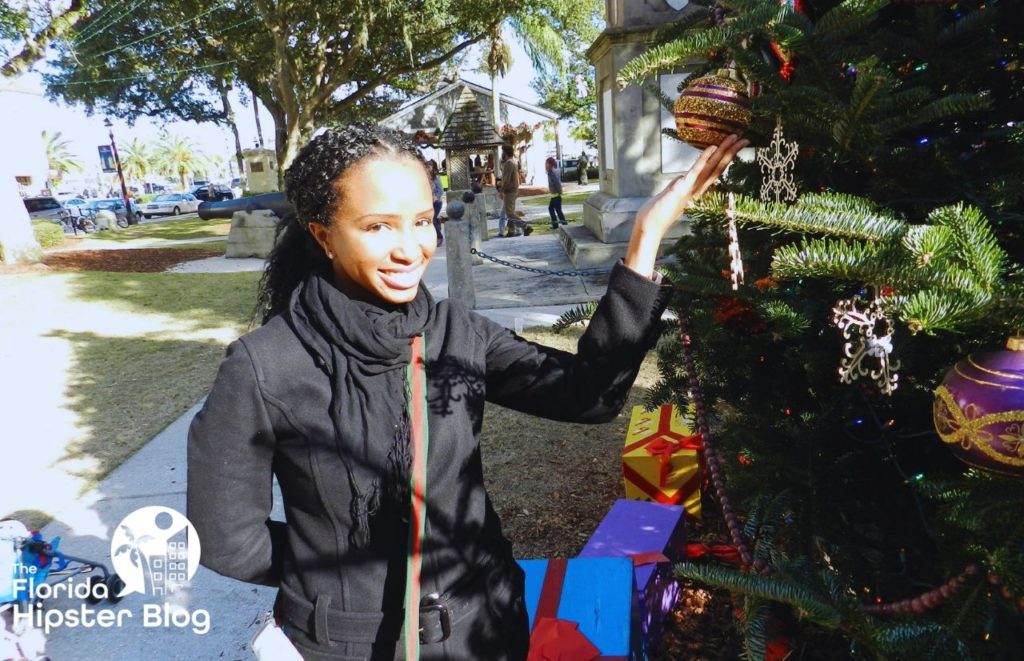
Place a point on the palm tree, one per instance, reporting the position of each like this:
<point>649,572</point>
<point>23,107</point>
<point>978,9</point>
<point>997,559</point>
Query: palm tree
<point>58,157</point>
<point>176,155</point>
<point>137,159</point>
<point>544,45</point>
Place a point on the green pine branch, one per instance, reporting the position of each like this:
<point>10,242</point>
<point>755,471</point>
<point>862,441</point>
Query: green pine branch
<point>847,18</point>
<point>577,315</point>
<point>765,587</point>
<point>757,613</point>
<point>841,216</point>
<point>696,45</point>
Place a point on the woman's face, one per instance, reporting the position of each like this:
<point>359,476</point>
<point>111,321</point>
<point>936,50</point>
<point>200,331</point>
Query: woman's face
<point>382,235</point>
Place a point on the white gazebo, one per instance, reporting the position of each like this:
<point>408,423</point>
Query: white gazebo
<point>432,113</point>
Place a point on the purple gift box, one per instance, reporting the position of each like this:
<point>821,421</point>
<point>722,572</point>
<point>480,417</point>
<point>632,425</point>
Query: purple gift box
<point>633,527</point>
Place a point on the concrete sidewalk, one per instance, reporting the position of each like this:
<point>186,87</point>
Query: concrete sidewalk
<point>155,475</point>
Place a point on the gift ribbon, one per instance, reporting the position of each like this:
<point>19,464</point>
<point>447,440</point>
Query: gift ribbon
<point>663,449</point>
<point>656,494</point>
<point>551,638</point>
<point>726,552</point>
<point>648,558</point>
<point>560,640</point>
<point>693,442</point>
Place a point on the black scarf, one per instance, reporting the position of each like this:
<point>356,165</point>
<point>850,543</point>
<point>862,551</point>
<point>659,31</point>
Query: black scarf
<point>352,341</point>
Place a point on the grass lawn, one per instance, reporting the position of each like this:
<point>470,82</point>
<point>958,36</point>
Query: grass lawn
<point>544,226</point>
<point>171,230</point>
<point>575,198</point>
<point>108,360</point>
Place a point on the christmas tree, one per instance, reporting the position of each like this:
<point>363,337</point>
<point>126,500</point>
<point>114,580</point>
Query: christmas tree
<point>856,523</point>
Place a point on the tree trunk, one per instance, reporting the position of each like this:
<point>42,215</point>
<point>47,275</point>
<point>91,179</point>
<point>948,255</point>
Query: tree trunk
<point>280,142</point>
<point>229,113</point>
<point>495,102</point>
<point>256,110</point>
<point>17,239</point>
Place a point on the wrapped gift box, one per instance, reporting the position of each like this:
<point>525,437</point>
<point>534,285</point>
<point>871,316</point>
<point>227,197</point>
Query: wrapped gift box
<point>653,535</point>
<point>661,459</point>
<point>581,609</point>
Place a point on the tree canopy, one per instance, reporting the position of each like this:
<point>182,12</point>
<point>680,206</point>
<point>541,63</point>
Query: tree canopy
<point>310,64</point>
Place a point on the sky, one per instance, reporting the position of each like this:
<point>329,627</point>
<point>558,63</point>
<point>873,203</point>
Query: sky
<point>25,113</point>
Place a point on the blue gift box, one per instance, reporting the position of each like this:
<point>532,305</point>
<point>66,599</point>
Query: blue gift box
<point>634,527</point>
<point>596,593</point>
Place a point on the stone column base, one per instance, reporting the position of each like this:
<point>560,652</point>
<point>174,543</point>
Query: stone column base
<point>252,234</point>
<point>610,219</point>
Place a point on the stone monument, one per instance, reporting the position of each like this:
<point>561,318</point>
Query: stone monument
<point>636,161</point>
<point>260,170</point>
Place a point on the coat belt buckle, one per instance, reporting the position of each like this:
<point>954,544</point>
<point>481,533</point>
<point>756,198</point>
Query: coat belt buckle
<point>433,603</point>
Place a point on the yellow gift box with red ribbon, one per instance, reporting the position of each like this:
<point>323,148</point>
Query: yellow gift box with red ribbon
<point>661,461</point>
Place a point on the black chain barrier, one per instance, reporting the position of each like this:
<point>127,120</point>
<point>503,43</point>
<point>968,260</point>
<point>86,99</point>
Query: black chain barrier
<point>529,269</point>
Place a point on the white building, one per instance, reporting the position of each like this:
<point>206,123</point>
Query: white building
<point>430,114</point>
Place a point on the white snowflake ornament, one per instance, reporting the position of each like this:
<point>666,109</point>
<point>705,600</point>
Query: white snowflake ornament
<point>869,343</point>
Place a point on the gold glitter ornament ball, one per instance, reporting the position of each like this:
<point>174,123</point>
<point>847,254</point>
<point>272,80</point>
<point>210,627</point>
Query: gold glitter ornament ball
<point>710,109</point>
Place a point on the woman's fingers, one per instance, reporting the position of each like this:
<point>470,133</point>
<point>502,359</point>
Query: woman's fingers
<point>664,208</point>
<point>717,165</point>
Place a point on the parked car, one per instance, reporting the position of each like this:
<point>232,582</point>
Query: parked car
<point>75,204</point>
<point>170,204</point>
<point>570,169</point>
<point>219,193</point>
<point>48,208</point>
<point>114,204</point>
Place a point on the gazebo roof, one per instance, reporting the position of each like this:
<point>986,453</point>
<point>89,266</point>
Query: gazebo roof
<point>431,113</point>
<point>469,126</point>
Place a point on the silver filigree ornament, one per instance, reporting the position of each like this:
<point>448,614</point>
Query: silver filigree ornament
<point>869,334</point>
<point>777,162</point>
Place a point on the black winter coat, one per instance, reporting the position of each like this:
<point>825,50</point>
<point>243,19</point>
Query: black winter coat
<point>268,415</point>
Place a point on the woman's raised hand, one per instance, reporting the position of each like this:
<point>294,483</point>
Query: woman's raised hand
<point>658,214</point>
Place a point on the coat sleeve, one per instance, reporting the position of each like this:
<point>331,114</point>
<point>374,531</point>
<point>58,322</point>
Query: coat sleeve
<point>230,480</point>
<point>592,384</point>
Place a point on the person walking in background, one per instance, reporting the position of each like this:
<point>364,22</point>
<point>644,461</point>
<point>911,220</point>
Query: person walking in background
<point>509,191</point>
<point>555,188</point>
<point>438,191</point>
<point>488,178</point>
<point>581,169</point>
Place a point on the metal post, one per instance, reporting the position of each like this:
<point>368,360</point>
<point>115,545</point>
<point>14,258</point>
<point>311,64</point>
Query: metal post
<point>460,268</point>
<point>120,174</point>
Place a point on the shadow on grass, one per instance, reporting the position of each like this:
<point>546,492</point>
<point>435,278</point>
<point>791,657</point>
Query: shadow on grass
<point>125,390</point>
<point>172,230</point>
<point>200,300</point>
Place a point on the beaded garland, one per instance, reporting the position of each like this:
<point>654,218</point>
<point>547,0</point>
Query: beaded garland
<point>711,108</point>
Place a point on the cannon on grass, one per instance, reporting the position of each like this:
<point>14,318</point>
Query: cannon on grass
<point>276,202</point>
<point>253,222</point>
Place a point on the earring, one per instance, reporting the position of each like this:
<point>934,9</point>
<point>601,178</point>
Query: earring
<point>330,255</point>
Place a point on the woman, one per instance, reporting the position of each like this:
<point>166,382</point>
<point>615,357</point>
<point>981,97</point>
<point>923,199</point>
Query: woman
<point>330,396</point>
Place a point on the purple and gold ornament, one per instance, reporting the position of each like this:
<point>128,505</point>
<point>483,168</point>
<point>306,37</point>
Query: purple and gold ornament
<point>979,410</point>
<point>711,108</point>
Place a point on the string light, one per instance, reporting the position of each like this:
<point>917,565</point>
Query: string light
<point>172,27</point>
<point>145,76</point>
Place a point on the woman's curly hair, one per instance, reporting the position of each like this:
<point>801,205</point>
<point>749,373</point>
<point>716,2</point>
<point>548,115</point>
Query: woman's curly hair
<point>310,184</point>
